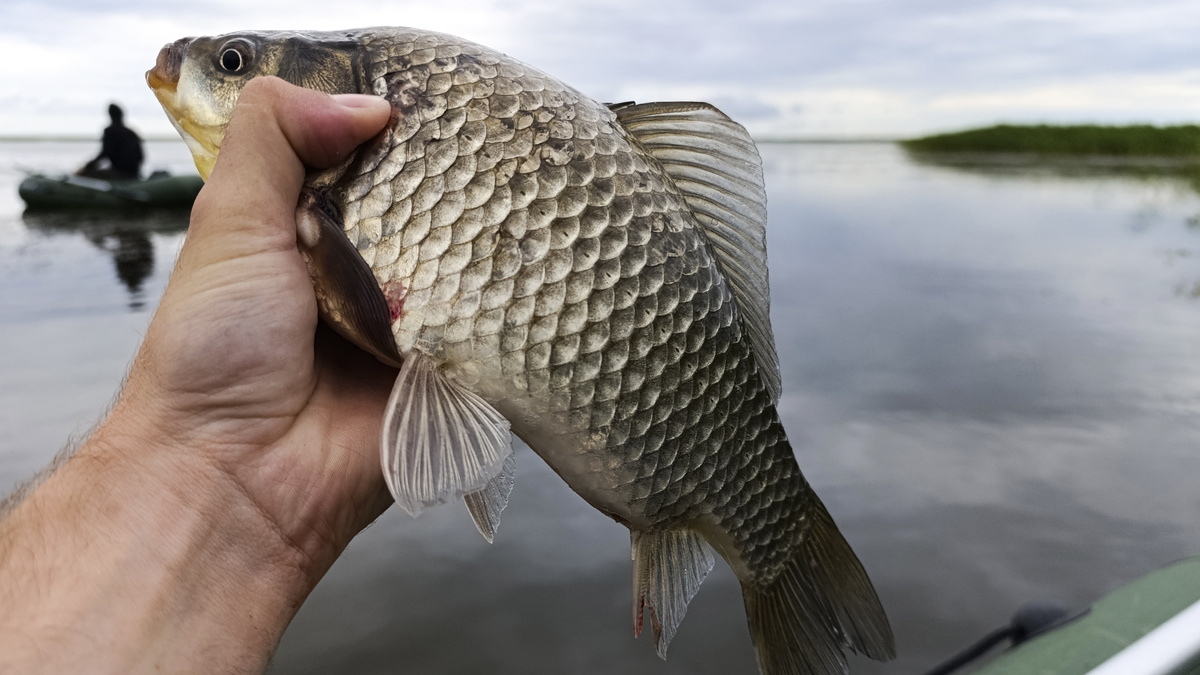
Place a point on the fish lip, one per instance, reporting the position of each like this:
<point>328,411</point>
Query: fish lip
<point>163,80</point>
<point>165,73</point>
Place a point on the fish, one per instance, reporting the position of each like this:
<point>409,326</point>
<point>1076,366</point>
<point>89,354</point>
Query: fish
<point>589,277</point>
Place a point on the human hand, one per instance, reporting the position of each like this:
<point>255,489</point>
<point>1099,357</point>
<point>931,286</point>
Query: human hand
<point>242,455</point>
<point>230,371</point>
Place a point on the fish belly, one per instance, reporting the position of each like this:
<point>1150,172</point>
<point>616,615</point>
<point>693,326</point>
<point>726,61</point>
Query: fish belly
<point>579,457</point>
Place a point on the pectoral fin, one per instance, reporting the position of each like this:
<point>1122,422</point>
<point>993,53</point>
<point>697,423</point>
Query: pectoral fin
<point>348,295</point>
<point>668,568</point>
<point>440,441</point>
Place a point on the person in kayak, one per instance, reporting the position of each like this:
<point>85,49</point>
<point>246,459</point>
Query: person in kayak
<point>121,146</point>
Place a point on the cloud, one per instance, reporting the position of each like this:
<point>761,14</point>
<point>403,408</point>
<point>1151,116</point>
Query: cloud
<point>824,67</point>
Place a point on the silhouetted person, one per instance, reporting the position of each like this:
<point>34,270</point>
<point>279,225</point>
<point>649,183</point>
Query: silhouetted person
<point>122,147</point>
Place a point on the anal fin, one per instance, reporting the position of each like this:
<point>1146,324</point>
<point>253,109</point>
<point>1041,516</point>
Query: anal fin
<point>487,504</point>
<point>668,568</point>
<point>440,440</point>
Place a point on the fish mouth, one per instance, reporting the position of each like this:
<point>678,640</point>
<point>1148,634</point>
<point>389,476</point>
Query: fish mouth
<point>165,73</point>
<point>204,141</point>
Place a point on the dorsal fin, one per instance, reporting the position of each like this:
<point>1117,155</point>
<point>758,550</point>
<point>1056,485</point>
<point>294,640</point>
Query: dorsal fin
<point>714,162</point>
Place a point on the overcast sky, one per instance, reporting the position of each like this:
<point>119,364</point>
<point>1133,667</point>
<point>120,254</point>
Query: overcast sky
<point>784,68</point>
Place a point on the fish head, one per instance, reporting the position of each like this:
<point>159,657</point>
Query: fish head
<point>198,79</point>
<point>198,82</point>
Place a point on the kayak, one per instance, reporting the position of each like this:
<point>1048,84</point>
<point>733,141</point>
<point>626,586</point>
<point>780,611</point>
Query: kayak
<point>160,189</point>
<point>1148,627</point>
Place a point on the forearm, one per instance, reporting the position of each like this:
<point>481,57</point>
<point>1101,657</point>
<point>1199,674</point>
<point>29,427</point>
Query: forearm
<point>133,560</point>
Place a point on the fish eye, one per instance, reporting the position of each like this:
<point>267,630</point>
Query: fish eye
<point>231,60</point>
<point>235,56</point>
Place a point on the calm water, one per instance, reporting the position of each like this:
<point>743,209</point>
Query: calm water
<point>991,376</point>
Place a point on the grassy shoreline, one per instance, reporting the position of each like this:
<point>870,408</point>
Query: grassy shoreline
<point>1141,140</point>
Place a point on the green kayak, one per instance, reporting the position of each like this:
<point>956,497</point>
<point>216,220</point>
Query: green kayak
<point>160,190</point>
<point>1149,627</point>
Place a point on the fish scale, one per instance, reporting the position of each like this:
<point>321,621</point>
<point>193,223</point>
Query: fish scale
<point>591,275</point>
<point>739,475</point>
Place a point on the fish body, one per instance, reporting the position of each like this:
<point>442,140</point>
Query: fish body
<point>592,277</point>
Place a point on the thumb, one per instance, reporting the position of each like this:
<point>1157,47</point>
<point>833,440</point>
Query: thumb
<point>276,131</point>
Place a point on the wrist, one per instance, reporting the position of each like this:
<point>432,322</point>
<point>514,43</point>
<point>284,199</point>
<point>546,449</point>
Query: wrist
<point>127,559</point>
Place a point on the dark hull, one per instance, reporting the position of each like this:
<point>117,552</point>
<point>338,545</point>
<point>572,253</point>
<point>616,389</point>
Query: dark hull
<point>72,192</point>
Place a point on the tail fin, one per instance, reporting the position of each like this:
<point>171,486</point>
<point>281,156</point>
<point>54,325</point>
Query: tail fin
<point>821,602</point>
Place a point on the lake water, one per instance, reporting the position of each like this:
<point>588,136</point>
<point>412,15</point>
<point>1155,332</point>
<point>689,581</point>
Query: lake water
<point>991,377</point>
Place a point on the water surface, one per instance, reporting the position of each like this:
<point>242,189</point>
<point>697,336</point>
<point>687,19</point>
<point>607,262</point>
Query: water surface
<point>991,376</point>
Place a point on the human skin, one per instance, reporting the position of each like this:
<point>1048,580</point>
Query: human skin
<point>242,455</point>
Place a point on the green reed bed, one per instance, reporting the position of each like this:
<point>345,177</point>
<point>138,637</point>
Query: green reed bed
<point>1142,140</point>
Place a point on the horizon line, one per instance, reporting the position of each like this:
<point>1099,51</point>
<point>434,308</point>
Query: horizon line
<point>39,138</point>
<point>80,138</point>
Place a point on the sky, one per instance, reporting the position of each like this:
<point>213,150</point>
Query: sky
<point>783,68</point>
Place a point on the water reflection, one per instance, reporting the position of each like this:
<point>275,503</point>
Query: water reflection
<point>125,236</point>
<point>1166,175</point>
<point>1062,166</point>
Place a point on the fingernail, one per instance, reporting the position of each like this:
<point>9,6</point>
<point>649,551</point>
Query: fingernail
<point>358,100</point>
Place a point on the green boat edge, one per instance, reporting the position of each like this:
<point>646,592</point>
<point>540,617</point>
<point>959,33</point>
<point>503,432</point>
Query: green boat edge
<point>1114,622</point>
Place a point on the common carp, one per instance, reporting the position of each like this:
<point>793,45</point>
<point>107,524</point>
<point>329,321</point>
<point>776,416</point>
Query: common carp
<point>591,277</point>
